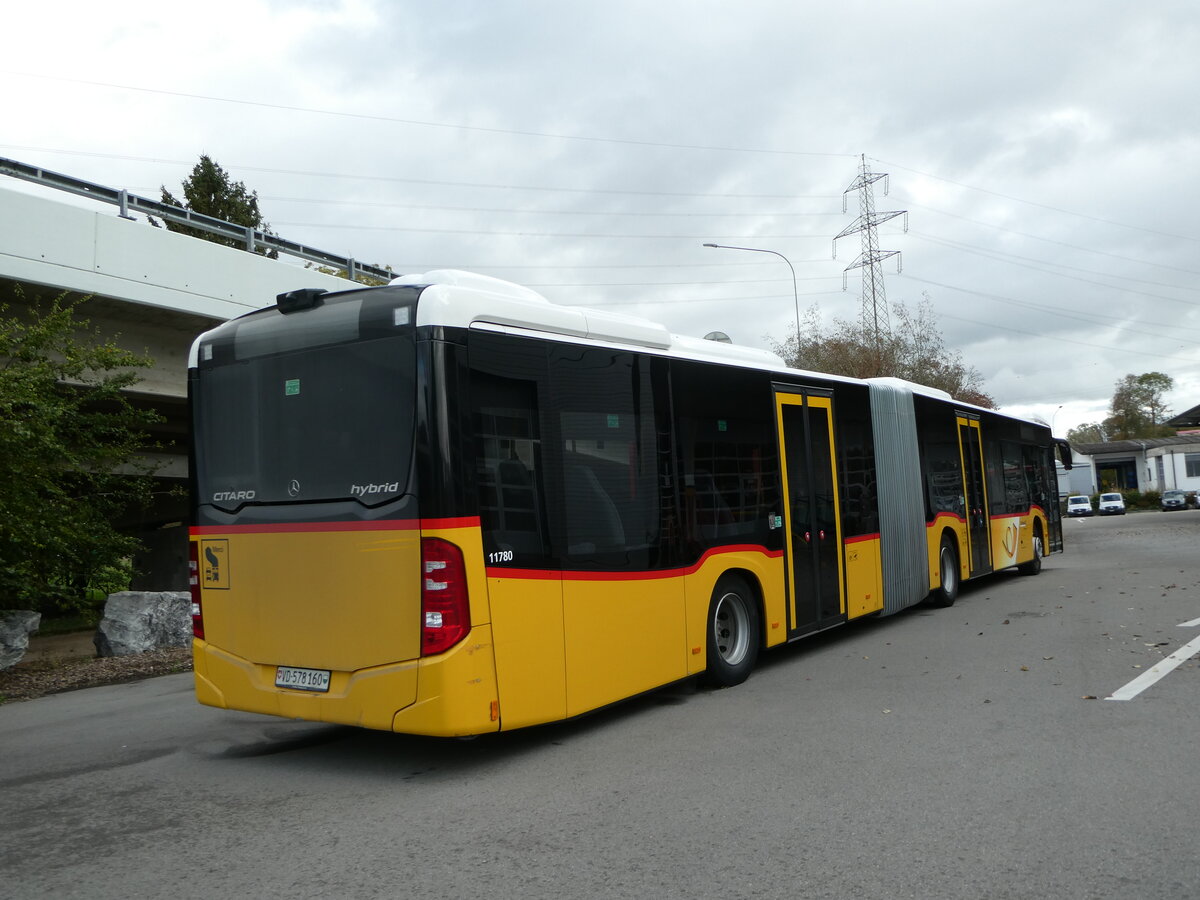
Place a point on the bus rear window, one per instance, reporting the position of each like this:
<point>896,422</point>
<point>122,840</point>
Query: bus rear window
<point>331,422</point>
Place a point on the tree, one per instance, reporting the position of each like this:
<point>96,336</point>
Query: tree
<point>1138,409</point>
<point>211,191</point>
<point>914,350</point>
<point>1090,433</point>
<point>362,279</point>
<point>68,455</point>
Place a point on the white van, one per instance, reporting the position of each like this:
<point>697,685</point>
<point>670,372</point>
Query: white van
<point>1079,506</point>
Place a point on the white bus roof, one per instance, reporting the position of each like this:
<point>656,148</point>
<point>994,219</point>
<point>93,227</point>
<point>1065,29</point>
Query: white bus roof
<point>452,297</point>
<point>467,300</point>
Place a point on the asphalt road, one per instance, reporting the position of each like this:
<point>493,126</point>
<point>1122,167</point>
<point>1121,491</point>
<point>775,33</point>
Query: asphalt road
<point>937,754</point>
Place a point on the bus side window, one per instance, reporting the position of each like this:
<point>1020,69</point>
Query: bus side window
<point>1035,475</point>
<point>593,523</point>
<point>1016,488</point>
<point>943,472</point>
<point>509,470</point>
<point>726,456</point>
<point>605,413</point>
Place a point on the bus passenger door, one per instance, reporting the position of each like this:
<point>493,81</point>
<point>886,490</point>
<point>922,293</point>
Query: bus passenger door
<point>979,555</point>
<point>812,516</point>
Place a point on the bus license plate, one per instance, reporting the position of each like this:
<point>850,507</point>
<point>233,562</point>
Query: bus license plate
<point>302,679</point>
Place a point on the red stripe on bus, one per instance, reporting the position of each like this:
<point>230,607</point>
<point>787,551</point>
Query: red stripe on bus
<point>858,538</point>
<point>945,515</point>
<point>308,527</point>
<point>311,527</point>
<point>643,575</point>
<point>459,522</point>
<point>957,518</point>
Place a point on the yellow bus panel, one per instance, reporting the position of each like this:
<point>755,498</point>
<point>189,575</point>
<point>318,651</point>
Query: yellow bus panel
<point>338,600</point>
<point>456,691</point>
<point>864,577</point>
<point>623,636</point>
<point>527,627</point>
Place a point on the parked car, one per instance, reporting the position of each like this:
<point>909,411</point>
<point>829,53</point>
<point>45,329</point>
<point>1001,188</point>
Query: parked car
<point>1112,505</point>
<point>1079,506</point>
<point>1174,500</point>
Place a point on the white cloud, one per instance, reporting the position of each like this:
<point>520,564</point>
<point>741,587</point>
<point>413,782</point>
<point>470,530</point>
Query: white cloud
<point>1041,151</point>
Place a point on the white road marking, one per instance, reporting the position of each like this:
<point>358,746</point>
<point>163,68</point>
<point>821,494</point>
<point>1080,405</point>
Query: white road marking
<point>1191,624</point>
<point>1157,671</point>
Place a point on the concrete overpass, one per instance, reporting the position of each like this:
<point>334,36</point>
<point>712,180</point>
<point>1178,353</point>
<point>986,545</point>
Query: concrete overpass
<point>153,291</point>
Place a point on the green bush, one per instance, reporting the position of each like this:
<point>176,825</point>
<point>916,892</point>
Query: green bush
<point>1143,499</point>
<point>70,456</point>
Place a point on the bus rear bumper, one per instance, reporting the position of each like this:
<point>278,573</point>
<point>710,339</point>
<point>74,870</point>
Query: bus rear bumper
<point>456,691</point>
<point>448,695</point>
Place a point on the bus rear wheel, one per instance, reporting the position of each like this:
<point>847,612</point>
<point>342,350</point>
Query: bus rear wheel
<point>733,632</point>
<point>947,592</point>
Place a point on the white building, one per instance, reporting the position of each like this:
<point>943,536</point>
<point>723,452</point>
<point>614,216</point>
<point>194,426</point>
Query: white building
<point>1141,464</point>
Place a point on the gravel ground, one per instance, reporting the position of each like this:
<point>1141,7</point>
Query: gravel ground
<point>44,675</point>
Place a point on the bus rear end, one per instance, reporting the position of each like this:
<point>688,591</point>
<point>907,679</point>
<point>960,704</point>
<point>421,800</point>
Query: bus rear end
<point>319,592</point>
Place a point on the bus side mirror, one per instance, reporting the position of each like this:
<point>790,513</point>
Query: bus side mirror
<point>1064,452</point>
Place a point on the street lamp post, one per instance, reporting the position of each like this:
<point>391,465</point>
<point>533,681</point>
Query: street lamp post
<point>1053,417</point>
<point>795,292</point>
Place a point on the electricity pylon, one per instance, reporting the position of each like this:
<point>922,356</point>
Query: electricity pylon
<point>876,323</point>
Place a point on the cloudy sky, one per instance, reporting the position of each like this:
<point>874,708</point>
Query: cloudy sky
<point>1045,154</point>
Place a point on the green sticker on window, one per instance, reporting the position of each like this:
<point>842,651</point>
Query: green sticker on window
<point>722,425</point>
<point>614,421</point>
<point>291,387</point>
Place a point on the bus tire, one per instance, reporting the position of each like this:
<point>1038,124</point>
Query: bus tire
<point>1034,565</point>
<point>732,632</point>
<point>947,592</point>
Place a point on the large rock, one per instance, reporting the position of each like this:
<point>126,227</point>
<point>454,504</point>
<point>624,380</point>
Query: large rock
<point>140,621</point>
<point>15,627</point>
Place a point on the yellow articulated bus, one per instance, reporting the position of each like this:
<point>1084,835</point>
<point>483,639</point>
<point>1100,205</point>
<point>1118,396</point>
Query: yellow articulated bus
<point>449,507</point>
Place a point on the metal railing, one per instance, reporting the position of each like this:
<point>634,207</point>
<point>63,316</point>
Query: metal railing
<point>126,202</point>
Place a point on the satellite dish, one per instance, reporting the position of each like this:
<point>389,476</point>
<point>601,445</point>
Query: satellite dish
<point>718,336</point>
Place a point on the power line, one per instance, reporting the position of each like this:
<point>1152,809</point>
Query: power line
<point>1065,340</point>
<point>1113,321</point>
<point>1047,240</point>
<point>993,255</point>
<point>358,176</point>
<point>260,104</point>
<point>572,267</point>
<point>1182,237</point>
<point>608,284</point>
<point>544,212</point>
<point>546,234</point>
<point>599,304</point>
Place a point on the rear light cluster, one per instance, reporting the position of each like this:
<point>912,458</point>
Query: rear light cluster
<point>194,588</point>
<point>445,608</point>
